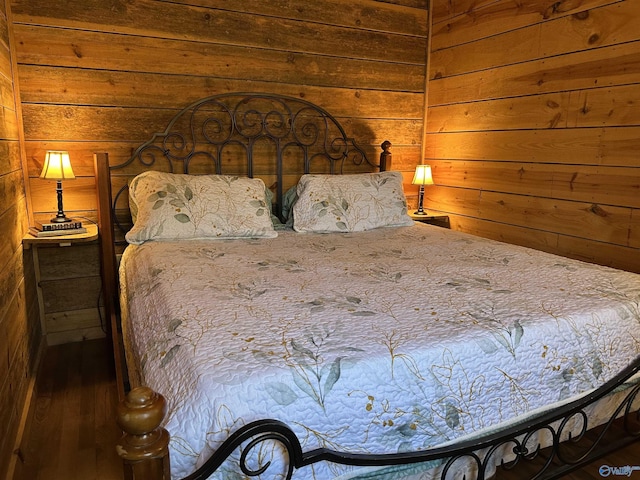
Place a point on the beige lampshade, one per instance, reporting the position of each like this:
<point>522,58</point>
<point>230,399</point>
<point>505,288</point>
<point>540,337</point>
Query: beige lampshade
<point>57,166</point>
<point>423,175</point>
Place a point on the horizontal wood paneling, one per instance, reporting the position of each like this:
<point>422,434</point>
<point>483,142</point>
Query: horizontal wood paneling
<point>577,146</point>
<point>168,20</point>
<point>129,61</point>
<point>606,66</point>
<point>113,74</point>
<point>604,224</point>
<point>537,144</point>
<point>73,123</point>
<point>591,24</point>
<point>98,87</point>
<point>389,16</point>
<point>15,215</point>
<point>569,246</point>
<point>618,186</point>
<point>20,335</point>
<point>595,107</point>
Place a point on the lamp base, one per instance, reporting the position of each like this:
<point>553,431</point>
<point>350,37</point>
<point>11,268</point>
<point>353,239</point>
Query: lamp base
<point>60,216</point>
<point>420,212</point>
<point>60,219</point>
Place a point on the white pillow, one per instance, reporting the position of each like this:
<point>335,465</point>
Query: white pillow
<point>171,206</point>
<point>350,203</point>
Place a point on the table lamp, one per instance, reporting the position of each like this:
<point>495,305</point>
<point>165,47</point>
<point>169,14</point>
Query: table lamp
<point>422,177</point>
<point>57,166</point>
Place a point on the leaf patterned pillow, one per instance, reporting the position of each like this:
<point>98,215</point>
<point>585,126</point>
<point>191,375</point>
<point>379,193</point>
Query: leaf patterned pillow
<point>171,206</point>
<point>350,203</point>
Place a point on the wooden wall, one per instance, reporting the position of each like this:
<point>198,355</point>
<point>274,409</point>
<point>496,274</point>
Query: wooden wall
<point>533,124</point>
<point>103,76</point>
<point>100,76</point>
<point>19,325</point>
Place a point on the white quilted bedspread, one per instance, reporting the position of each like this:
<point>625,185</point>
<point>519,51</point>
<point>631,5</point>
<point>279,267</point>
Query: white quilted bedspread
<point>382,341</point>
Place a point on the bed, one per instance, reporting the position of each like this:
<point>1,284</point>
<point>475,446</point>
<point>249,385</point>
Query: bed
<point>277,314</point>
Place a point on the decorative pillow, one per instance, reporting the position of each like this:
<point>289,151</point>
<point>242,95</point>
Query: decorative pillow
<point>350,203</point>
<point>175,206</point>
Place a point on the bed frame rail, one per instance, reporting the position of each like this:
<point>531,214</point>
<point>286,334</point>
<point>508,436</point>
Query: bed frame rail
<point>559,458</point>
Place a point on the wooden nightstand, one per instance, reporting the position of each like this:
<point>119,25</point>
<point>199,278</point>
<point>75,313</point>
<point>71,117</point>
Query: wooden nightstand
<point>62,240</point>
<point>67,271</point>
<point>438,220</point>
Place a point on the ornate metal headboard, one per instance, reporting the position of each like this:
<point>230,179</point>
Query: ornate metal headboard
<point>276,138</point>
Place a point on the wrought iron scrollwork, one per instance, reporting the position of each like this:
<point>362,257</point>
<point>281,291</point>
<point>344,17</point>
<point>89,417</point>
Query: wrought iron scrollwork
<point>210,125</point>
<point>254,433</point>
<point>232,133</point>
<point>480,457</point>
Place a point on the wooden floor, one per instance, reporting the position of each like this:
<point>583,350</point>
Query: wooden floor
<point>71,432</point>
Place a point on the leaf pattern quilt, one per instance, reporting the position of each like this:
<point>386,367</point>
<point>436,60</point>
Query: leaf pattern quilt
<point>383,341</point>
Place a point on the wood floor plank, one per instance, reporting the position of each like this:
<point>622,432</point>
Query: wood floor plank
<point>50,419</point>
<point>105,396</point>
<point>108,463</point>
<point>86,440</point>
<point>72,434</point>
<point>71,418</point>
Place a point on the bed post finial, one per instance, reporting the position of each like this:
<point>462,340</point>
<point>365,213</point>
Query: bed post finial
<point>385,156</point>
<point>144,448</point>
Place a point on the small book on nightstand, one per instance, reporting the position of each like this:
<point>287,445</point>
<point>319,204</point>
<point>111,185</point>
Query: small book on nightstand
<point>37,232</point>
<point>55,233</point>
<point>50,227</point>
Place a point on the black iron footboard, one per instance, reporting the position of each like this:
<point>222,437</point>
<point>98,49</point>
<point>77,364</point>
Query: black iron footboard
<point>481,455</point>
